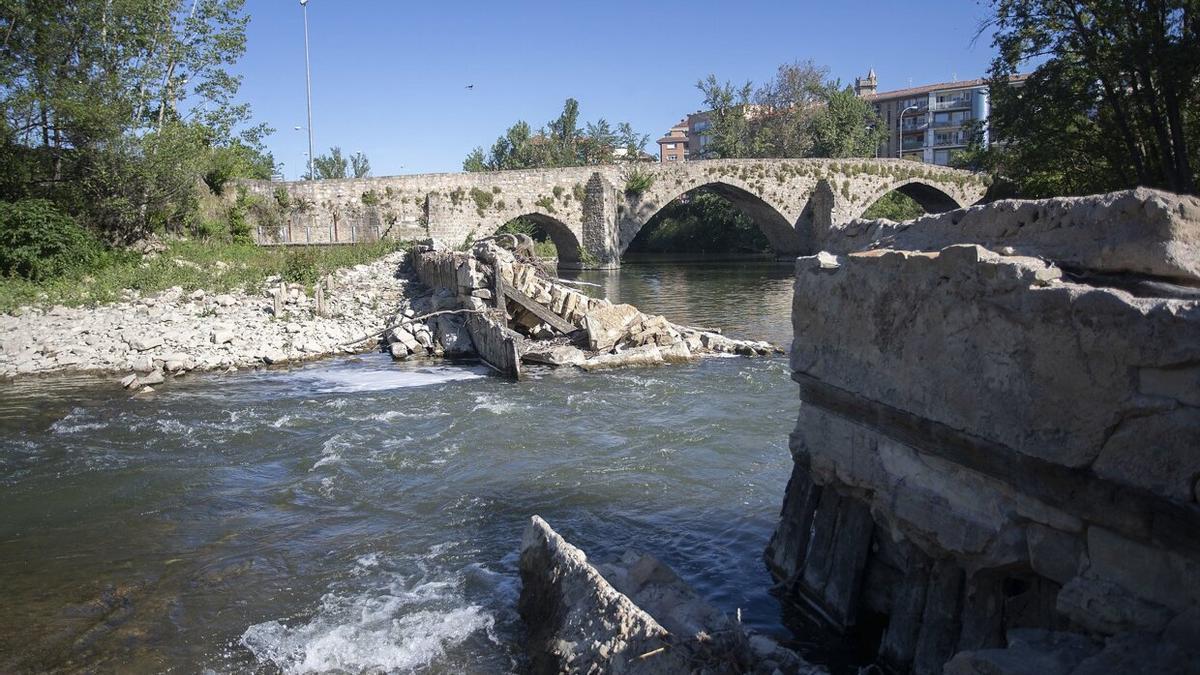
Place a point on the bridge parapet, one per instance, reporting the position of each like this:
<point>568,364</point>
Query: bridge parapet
<point>592,213</point>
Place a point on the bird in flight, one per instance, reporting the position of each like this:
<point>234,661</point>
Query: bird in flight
<point>470,86</point>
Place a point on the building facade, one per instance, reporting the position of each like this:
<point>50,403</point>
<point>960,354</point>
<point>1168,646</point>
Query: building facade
<point>674,146</point>
<point>932,122</point>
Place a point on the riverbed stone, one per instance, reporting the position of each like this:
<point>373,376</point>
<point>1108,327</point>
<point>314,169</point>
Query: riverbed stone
<point>560,355</point>
<point>606,326</point>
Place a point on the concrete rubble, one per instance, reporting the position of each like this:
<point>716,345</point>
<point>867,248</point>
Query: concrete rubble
<point>634,616</point>
<point>570,328</point>
<point>998,449</point>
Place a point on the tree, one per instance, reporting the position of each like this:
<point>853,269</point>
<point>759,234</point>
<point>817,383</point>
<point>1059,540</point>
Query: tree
<point>800,113</point>
<point>561,143</point>
<point>113,109</point>
<point>728,133</point>
<point>1114,103</point>
<point>784,109</point>
<point>847,126</point>
<point>360,166</point>
<point>330,166</point>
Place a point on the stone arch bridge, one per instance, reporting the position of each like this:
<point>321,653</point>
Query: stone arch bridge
<point>592,213</point>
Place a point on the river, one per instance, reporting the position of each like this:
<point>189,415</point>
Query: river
<point>362,514</point>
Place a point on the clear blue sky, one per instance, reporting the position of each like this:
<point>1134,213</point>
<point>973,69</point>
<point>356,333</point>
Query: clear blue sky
<point>389,76</point>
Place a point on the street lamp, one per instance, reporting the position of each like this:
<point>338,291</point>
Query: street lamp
<point>900,132</point>
<point>312,175</point>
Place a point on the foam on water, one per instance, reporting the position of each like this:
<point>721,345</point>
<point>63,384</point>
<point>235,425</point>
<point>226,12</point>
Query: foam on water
<point>356,380</point>
<point>396,628</point>
<point>73,423</point>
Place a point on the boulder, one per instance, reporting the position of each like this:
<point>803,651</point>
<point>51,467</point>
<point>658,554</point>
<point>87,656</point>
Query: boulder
<point>451,333</point>
<point>146,342</point>
<point>577,621</point>
<point>606,326</point>
<point>635,617</point>
<point>152,377</point>
<point>560,355</point>
<point>648,355</point>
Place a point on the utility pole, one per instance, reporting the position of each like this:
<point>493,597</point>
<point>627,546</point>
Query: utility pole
<point>899,131</point>
<point>308,86</point>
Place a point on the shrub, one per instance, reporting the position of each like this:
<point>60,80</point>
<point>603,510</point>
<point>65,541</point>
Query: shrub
<point>301,266</point>
<point>38,242</point>
<point>638,181</point>
<point>483,200</point>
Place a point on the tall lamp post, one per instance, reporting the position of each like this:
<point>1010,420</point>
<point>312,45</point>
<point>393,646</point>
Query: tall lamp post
<point>308,87</point>
<point>899,129</point>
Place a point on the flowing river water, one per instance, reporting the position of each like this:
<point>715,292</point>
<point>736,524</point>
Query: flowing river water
<point>358,514</point>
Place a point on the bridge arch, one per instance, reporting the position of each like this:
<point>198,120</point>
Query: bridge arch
<point>564,238</point>
<point>930,195</point>
<point>779,231</point>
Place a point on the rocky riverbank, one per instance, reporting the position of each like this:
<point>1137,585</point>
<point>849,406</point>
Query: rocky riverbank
<point>147,339</point>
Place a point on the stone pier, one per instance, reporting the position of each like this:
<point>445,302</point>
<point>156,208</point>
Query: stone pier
<point>997,453</point>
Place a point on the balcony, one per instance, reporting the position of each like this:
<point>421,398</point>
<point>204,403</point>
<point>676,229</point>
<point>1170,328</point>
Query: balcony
<point>955,140</point>
<point>912,144</point>
<point>952,104</point>
<point>948,123</point>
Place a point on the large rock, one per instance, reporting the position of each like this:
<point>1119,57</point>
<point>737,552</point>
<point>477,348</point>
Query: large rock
<point>577,621</point>
<point>606,326</point>
<point>634,616</point>
<point>1140,231</point>
<point>648,355</point>
<point>451,332</point>
<point>551,355</point>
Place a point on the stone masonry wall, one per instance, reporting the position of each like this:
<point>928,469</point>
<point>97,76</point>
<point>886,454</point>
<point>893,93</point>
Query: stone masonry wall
<point>587,210</point>
<point>1001,460</point>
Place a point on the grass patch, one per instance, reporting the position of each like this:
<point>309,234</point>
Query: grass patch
<point>191,265</point>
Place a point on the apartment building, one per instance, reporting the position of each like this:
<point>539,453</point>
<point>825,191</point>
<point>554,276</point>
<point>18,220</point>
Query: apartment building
<point>674,146</point>
<point>931,122</point>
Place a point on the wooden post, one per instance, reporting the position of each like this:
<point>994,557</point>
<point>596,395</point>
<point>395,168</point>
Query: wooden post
<point>320,298</point>
<point>279,300</point>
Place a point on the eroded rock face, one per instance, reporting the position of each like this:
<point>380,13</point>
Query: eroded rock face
<point>577,621</point>
<point>987,446</point>
<point>632,616</point>
<point>1140,231</point>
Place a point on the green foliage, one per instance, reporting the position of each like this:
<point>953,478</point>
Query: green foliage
<point>1114,103</point>
<point>116,111</point>
<point>329,167</point>
<point>543,245</point>
<point>370,198</point>
<point>560,143</point>
<point>895,206</point>
<point>483,199</point>
<point>360,166</point>
<point>282,199</point>
<point>546,203</point>
<point>191,265</point>
<point>847,126</point>
<point>800,113</point>
<point>702,222</point>
<point>638,181</point>
<point>237,160</point>
<point>579,192</point>
<point>39,242</point>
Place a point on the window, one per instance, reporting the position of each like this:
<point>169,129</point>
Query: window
<point>670,146</point>
<point>671,158</point>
